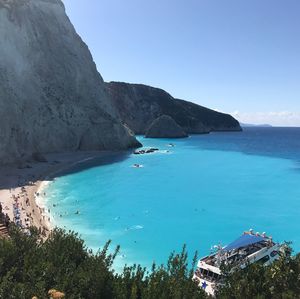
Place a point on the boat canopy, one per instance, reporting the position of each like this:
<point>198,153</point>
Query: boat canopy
<point>244,241</point>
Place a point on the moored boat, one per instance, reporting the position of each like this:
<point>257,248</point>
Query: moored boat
<point>249,248</point>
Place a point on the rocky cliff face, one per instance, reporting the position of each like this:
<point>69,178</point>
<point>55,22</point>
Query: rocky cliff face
<point>139,105</point>
<point>51,96</point>
<point>165,127</point>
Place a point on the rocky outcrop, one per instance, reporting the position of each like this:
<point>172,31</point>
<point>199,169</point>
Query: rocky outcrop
<point>51,96</point>
<point>165,127</point>
<point>139,105</point>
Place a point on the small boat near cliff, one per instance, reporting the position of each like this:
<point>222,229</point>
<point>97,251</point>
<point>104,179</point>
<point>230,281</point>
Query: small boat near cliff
<point>249,248</point>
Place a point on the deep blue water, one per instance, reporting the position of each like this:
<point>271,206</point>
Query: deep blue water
<point>205,190</point>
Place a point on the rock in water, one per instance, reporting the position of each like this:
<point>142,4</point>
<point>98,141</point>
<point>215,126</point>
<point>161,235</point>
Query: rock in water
<point>51,96</point>
<point>165,127</point>
<point>139,105</point>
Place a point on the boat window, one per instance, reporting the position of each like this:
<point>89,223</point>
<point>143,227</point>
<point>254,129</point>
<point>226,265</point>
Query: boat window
<point>208,274</point>
<point>198,272</point>
<point>274,253</point>
<point>263,259</point>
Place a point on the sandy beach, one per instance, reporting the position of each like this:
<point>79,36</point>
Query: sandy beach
<point>24,186</point>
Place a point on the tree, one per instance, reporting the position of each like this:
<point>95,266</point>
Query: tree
<point>31,266</point>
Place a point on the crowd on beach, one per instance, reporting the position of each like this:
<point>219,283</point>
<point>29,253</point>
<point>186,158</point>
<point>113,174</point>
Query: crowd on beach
<point>20,203</point>
<point>23,211</point>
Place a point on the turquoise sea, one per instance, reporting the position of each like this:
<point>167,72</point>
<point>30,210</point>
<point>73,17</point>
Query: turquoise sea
<point>205,190</point>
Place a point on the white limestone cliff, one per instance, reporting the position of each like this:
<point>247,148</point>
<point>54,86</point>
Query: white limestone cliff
<point>52,97</point>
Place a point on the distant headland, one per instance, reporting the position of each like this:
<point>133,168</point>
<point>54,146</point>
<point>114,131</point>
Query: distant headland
<point>243,125</point>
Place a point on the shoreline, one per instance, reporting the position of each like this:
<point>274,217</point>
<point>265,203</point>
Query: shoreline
<point>25,186</point>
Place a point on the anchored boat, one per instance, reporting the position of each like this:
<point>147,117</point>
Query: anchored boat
<point>247,249</point>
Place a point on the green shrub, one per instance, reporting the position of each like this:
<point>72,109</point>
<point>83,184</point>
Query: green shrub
<point>31,266</point>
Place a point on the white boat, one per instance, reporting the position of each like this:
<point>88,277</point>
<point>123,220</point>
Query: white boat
<point>247,249</point>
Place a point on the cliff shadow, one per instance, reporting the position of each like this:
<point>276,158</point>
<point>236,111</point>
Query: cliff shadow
<point>57,165</point>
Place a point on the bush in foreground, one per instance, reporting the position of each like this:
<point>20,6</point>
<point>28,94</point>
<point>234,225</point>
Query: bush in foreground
<point>31,267</point>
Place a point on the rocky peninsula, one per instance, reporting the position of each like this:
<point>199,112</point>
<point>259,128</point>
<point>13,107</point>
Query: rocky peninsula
<point>139,105</point>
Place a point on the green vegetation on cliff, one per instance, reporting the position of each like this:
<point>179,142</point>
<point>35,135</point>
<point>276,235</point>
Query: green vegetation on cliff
<point>31,267</point>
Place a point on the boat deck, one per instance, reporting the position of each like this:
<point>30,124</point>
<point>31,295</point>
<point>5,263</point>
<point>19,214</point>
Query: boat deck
<point>238,250</point>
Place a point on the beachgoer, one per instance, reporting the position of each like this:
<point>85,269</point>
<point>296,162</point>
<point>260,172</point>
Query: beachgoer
<point>7,220</point>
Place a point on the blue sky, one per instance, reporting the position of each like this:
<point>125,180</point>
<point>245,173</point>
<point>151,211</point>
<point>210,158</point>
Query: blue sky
<point>236,56</point>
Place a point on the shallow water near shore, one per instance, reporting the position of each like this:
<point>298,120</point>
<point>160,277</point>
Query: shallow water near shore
<point>205,190</point>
